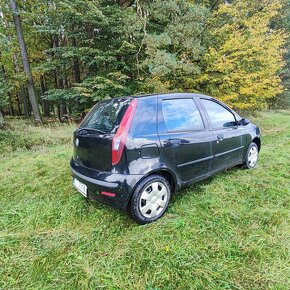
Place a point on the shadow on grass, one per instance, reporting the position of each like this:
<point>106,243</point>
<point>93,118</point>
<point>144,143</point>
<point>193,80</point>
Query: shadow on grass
<point>123,217</point>
<point>198,188</point>
<point>111,213</point>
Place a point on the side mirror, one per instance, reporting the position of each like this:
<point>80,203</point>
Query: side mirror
<point>243,122</point>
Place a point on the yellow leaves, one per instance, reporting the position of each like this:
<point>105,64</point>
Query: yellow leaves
<point>228,98</point>
<point>242,68</point>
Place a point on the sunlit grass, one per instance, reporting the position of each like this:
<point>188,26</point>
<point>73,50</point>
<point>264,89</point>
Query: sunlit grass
<point>228,232</point>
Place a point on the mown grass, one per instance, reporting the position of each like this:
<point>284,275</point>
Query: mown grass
<point>228,232</point>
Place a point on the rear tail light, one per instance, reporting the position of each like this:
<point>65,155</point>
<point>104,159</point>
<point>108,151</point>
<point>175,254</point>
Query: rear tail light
<point>120,137</point>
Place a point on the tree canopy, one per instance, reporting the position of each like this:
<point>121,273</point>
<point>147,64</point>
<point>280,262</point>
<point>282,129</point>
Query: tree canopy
<point>82,51</point>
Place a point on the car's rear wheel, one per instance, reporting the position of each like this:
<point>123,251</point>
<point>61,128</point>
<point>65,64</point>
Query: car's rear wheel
<point>150,199</point>
<point>252,156</point>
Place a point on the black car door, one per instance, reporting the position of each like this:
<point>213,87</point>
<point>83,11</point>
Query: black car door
<point>229,138</point>
<point>185,138</point>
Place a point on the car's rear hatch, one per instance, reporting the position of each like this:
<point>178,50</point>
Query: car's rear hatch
<point>93,139</point>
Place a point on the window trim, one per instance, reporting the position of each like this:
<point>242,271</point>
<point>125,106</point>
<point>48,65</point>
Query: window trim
<point>182,131</point>
<point>222,105</point>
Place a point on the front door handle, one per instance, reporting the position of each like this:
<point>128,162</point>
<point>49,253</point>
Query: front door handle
<point>220,137</point>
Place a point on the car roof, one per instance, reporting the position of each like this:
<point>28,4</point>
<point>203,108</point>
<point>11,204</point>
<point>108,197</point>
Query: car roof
<point>180,95</point>
<point>172,95</point>
<point>187,95</point>
<point>167,95</point>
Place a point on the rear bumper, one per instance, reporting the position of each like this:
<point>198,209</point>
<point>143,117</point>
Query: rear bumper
<point>96,181</point>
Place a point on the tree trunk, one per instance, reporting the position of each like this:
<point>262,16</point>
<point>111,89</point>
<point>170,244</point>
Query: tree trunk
<point>19,104</point>
<point>61,106</point>
<point>26,67</point>
<point>54,43</point>
<point>76,64</point>
<point>45,103</point>
<point>9,95</point>
<point>11,105</point>
<point>1,119</point>
<point>23,96</point>
<point>28,103</point>
<point>24,100</point>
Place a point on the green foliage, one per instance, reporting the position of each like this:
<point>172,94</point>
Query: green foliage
<point>282,21</point>
<point>4,89</point>
<point>175,43</point>
<point>228,232</point>
<point>97,88</point>
<point>58,95</point>
<point>82,51</point>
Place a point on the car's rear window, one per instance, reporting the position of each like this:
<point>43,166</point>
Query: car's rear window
<point>106,115</point>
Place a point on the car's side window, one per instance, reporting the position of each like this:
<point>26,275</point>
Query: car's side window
<point>144,120</point>
<point>181,115</point>
<point>219,116</point>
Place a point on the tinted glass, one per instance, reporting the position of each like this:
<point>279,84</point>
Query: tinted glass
<point>106,115</point>
<point>144,120</point>
<point>219,116</point>
<point>181,115</point>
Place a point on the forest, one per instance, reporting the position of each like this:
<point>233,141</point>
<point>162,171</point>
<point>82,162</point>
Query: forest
<point>58,58</point>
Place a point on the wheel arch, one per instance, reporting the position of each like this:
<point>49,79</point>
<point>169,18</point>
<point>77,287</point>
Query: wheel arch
<point>169,176</point>
<point>164,172</point>
<point>257,141</point>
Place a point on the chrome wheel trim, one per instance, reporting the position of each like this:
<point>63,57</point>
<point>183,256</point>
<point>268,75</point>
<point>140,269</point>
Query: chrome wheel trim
<point>153,199</point>
<point>253,156</point>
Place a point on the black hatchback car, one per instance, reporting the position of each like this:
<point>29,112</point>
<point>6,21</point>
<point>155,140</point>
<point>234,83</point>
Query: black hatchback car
<point>134,152</point>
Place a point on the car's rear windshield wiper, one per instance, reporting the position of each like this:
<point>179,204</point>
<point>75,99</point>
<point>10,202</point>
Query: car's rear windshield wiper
<point>91,129</point>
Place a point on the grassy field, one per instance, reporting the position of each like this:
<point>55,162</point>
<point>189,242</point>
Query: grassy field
<point>231,231</point>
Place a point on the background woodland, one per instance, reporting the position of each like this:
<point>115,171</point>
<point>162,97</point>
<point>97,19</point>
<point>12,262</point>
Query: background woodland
<point>79,52</point>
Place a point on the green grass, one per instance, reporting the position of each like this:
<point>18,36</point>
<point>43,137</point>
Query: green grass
<point>228,232</point>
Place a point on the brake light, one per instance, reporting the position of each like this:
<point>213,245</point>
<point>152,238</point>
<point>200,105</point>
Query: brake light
<point>120,137</point>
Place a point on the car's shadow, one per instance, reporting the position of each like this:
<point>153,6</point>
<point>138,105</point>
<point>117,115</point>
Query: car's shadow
<point>197,188</point>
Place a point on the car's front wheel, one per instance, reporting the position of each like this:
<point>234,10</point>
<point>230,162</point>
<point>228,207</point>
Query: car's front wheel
<point>150,199</point>
<point>252,156</point>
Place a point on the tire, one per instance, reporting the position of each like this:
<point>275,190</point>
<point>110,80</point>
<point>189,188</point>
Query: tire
<point>150,199</point>
<point>251,157</point>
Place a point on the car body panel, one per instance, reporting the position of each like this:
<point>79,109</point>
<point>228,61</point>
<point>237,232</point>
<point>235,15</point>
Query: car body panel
<point>187,153</point>
<point>97,181</point>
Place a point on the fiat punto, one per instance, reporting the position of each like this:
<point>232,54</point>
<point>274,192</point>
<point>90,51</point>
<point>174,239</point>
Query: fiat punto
<point>134,152</point>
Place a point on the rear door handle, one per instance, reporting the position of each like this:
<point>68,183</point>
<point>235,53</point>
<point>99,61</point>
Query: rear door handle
<point>220,137</point>
<point>174,142</point>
